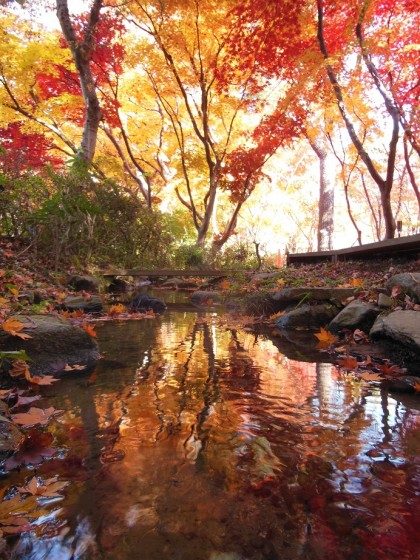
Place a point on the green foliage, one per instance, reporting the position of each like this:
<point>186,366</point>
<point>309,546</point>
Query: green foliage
<point>191,256</point>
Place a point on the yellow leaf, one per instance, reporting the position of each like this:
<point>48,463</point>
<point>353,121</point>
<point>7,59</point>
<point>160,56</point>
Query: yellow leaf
<point>12,326</point>
<point>117,309</point>
<point>356,282</point>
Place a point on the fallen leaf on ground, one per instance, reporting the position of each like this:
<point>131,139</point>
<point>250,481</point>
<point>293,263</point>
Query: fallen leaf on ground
<point>42,380</point>
<point>19,369</point>
<point>13,327</point>
<point>75,367</point>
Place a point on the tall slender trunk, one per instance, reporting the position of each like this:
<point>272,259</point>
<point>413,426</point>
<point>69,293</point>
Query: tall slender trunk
<point>325,233</point>
<point>81,51</point>
<point>384,185</point>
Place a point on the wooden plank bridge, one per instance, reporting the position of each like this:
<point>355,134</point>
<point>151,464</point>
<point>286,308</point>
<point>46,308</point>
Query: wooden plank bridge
<point>181,273</point>
<point>382,249</point>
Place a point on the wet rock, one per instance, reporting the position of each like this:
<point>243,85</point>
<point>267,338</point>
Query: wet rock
<point>83,282</point>
<point>179,284</point>
<point>308,316</point>
<point>10,438</point>
<point>292,295</point>
<point>399,326</point>
<point>261,276</point>
<point>403,384</point>
<point>409,283</point>
<point>385,301</point>
<point>141,303</point>
<point>357,314</point>
<point>118,286</point>
<point>203,297</point>
<point>54,343</point>
<point>92,304</point>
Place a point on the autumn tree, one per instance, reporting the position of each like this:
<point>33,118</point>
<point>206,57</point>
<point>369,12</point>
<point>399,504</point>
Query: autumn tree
<point>319,42</point>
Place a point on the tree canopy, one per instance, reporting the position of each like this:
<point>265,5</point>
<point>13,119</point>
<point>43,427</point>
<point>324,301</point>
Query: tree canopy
<point>184,104</point>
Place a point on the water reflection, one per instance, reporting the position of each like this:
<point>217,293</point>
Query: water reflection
<point>200,441</point>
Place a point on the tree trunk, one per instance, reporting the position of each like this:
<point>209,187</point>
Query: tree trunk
<point>81,51</point>
<point>325,231</point>
<point>384,185</point>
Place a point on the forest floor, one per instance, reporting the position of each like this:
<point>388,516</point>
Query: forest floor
<point>21,275</point>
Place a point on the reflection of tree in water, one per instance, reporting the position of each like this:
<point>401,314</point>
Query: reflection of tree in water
<point>232,449</point>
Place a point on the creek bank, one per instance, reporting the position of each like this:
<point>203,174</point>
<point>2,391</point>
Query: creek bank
<point>54,343</point>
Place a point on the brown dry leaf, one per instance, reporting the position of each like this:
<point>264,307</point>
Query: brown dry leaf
<point>368,376</point>
<point>47,489</point>
<point>20,368</point>
<point>348,362</point>
<point>277,315</point>
<point>35,416</point>
<point>42,380</point>
<point>75,367</point>
<point>396,290</point>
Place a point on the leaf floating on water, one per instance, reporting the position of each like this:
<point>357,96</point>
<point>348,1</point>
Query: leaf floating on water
<point>47,489</point>
<point>43,380</point>
<point>34,449</point>
<point>326,336</point>
<point>35,416</point>
<point>348,362</point>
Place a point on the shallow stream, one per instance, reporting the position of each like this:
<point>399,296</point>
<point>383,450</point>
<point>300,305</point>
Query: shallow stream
<point>195,439</point>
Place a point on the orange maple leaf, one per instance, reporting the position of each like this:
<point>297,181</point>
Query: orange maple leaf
<point>13,327</point>
<point>117,309</point>
<point>325,336</point>
<point>90,329</point>
<point>348,362</point>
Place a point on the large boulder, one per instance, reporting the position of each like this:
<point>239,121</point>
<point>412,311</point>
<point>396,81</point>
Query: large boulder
<point>401,326</point>
<point>83,282</point>
<point>287,296</point>
<point>204,297</point>
<point>54,343</point>
<point>87,304</point>
<point>141,303</point>
<point>308,316</point>
<point>357,314</point>
<point>409,282</point>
